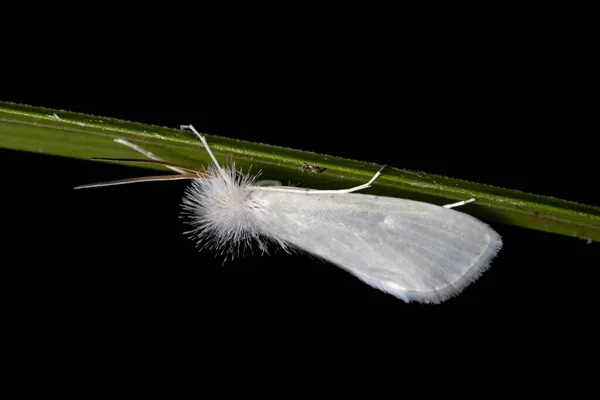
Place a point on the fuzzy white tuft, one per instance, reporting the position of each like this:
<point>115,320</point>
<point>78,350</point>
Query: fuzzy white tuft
<point>224,217</point>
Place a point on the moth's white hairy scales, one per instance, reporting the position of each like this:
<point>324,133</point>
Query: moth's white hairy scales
<point>221,210</point>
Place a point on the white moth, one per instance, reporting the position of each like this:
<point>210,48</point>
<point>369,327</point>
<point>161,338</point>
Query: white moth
<point>412,250</point>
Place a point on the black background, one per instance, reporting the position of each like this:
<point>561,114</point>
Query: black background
<point>116,260</point>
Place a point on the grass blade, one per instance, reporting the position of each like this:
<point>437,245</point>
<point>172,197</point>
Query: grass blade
<point>83,136</point>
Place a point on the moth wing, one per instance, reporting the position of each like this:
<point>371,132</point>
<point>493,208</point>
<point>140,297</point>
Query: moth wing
<point>409,249</point>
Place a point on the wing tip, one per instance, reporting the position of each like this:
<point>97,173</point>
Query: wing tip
<point>479,267</point>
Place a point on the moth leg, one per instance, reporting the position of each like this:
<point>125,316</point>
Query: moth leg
<point>460,203</point>
<point>357,188</point>
<point>148,154</point>
<point>204,143</point>
<point>311,191</point>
